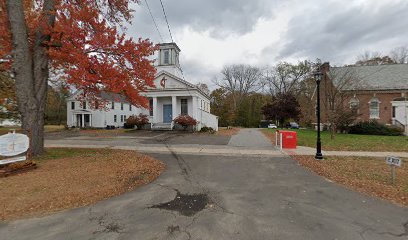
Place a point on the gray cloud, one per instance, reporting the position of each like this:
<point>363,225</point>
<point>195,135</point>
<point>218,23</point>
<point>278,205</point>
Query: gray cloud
<point>332,30</point>
<point>335,31</point>
<point>195,72</point>
<point>221,18</point>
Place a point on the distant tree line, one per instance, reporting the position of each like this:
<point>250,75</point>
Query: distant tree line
<point>56,106</point>
<point>248,94</point>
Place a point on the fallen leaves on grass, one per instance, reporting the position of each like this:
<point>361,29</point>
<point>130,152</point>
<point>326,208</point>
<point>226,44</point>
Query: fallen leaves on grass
<point>270,135</point>
<point>75,181</point>
<point>364,174</point>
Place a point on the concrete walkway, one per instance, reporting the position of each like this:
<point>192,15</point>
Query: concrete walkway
<point>179,149</point>
<point>300,150</point>
<point>246,142</point>
<point>250,137</point>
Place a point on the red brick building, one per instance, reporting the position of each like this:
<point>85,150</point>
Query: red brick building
<point>376,92</point>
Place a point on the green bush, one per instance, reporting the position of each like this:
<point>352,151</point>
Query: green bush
<point>375,128</point>
<point>207,129</point>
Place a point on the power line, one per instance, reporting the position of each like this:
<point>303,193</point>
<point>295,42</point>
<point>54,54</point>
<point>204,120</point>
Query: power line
<point>165,16</point>
<point>154,21</point>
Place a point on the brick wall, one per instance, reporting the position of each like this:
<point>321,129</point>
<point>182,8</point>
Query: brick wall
<point>385,106</point>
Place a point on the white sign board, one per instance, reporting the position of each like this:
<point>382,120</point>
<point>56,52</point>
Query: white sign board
<point>12,144</point>
<point>12,160</point>
<point>394,161</point>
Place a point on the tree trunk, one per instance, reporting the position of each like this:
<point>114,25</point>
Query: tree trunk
<point>30,68</point>
<point>333,131</point>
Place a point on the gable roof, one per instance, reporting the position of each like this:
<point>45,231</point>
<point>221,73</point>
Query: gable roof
<point>380,77</point>
<point>108,96</point>
<point>192,86</point>
<point>113,97</point>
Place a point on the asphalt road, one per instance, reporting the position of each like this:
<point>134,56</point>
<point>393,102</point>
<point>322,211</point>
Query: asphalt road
<point>244,197</point>
<point>249,198</point>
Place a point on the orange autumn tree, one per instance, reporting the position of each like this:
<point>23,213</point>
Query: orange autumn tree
<point>79,39</point>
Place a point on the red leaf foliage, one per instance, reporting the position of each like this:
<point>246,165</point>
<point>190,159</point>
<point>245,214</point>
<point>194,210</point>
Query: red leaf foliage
<point>87,45</point>
<point>185,120</point>
<point>137,120</point>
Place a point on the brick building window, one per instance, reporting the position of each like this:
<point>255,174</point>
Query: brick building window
<point>354,104</point>
<point>374,109</point>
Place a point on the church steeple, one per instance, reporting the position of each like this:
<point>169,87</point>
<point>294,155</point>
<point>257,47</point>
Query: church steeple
<point>169,59</point>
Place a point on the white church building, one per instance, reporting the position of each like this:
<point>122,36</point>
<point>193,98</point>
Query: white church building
<point>173,96</point>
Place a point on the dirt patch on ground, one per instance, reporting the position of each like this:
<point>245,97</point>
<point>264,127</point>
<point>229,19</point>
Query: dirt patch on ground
<point>71,178</point>
<point>227,132</point>
<point>364,174</point>
<point>185,204</point>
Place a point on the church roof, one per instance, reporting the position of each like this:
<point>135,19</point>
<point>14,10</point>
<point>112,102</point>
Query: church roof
<point>192,86</point>
<point>171,44</point>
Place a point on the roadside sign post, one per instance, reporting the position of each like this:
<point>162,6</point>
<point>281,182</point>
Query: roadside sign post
<point>393,162</point>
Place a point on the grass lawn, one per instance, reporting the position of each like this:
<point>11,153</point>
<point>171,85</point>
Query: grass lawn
<point>69,178</point>
<point>364,174</point>
<point>350,142</point>
<point>47,128</point>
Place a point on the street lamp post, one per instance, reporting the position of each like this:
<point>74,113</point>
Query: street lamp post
<point>318,77</point>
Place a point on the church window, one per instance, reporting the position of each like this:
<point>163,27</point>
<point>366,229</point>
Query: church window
<point>184,107</point>
<point>151,107</point>
<point>166,57</point>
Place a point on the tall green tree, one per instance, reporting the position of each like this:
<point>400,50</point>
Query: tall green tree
<point>221,106</point>
<point>250,111</point>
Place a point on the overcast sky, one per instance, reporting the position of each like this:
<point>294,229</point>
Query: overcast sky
<point>214,33</point>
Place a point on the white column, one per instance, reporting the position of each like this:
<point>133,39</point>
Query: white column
<point>154,109</point>
<point>194,107</point>
<point>83,120</point>
<point>174,106</point>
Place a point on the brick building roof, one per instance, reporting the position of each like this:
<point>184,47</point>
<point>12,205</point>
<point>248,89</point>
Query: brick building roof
<point>381,77</point>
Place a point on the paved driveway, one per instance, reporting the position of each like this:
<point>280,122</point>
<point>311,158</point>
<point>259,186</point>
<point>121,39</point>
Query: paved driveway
<point>225,197</point>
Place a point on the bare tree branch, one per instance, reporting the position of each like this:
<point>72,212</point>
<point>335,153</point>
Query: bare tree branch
<point>240,80</point>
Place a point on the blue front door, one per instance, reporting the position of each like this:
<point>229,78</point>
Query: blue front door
<point>167,113</point>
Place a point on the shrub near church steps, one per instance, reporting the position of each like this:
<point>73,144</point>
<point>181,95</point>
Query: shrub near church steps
<point>137,120</point>
<point>375,128</point>
<point>185,121</point>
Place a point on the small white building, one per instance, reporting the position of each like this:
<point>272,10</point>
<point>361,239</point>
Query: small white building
<point>173,96</point>
<point>400,113</point>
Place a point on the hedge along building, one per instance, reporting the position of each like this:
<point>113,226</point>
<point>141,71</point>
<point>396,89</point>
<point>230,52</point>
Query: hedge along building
<point>377,93</point>
<point>173,96</point>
